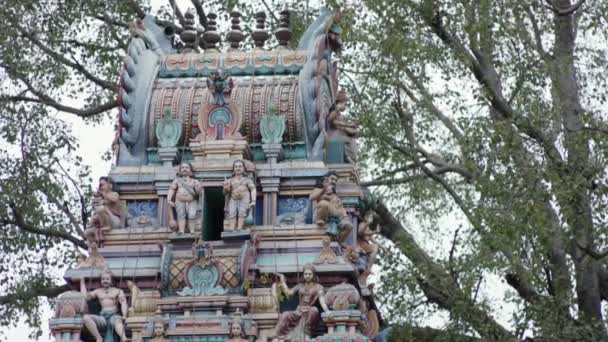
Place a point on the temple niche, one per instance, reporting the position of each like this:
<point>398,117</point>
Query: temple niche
<point>233,211</point>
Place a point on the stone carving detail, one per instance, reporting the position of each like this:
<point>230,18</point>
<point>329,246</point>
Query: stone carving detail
<point>159,331</point>
<point>262,300</point>
<point>237,331</point>
<point>343,129</point>
<point>327,255</point>
<point>113,309</point>
<point>330,213</point>
<point>367,245</point>
<point>219,118</point>
<point>202,275</point>
<point>168,132</point>
<point>296,326</point>
<point>70,304</point>
<point>343,296</point>
<point>109,212</point>
<point>240,195</point>
<point>272,128</point>
<point>293,210</point>
<point>143,303</point>
<point>186,191</point>
<point>94,259</point>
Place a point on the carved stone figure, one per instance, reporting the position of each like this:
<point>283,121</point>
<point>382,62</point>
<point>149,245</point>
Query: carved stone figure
<point>330,212</point>
<point>158,332</point>
<point>94,259</point>
<point>296,326</point>
<point>348,129</point>
<point>237,332</point>
<point>240,194</point>
<point>327,255</point>
<point>365,240</point>
<point>168,132</point>
<point>186,191</point>
<point>113,309</point>
<point>272,127</point>
<point>202,274</point>
<point>109,212</point>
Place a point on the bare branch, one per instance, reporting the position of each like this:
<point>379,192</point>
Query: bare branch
<point>270,11</point>
<point>106,19</point>
<point>178,13</point>
<point>44,99</point>
<point>19,222</point>
<point>63,60</point>
<point>202,17</point>
<point>34,291</point>
<point>563,11</point>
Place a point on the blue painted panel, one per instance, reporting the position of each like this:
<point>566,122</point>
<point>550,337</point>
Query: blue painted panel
<point>144,208</point>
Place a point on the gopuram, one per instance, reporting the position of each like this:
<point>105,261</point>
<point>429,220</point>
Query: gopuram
<point>233,211</point>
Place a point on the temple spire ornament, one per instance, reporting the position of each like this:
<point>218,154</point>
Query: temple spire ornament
<point>260,35</point>
<point>189,36</point>
<point>211,36</point>
<point>235,36</point>
<point>283,33</point>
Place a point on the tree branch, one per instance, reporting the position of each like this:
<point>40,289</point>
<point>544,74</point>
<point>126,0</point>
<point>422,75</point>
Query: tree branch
<point>178,13</point>
<point>44,99</point>
<point>19,222</point>
<point>34,291</point>
<point>137,9</point>
<point>563,11</point>
<point>63,60</point>
<point>200,12</point>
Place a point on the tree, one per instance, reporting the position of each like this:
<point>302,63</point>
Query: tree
<point>494,114</point>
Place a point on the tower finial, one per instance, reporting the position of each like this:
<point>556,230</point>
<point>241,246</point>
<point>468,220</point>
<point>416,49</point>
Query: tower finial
<point>260,35</point>
<point>211,36</point>
<point>235,36</point>
<point>283,33</point>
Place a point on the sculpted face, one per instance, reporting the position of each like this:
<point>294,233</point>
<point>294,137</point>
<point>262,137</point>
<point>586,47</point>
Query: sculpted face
<point>104,186</point>
<point>106,280</point>
<point>235,330</point>
<point>341,106</point>
<point>329,183</point>
<point>159,329</point>
<point>308,275</point>
<point>238,168</point>
<point>185,169</point>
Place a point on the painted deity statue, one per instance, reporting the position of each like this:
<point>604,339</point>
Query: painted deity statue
<point>350,130</point>
<point>240,195</point>
<point>297,326</point>
<point>330,212</point>
<point>237,332</point>
<point>113,309</point>
<point>109,212</point>
<point>186,190</point>
<point>367,244</point>
<point>158,332</point>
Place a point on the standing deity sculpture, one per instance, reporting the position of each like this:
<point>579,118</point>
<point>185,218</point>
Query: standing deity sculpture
<point>297,326</point>
<point>338,122</point>
<point>109,212</point>
<point>240,195</point>
<point>330,212</point>
<point>186,190</point>
<point>158,331</point>
<point>237,332</point>
<point>113,309</point>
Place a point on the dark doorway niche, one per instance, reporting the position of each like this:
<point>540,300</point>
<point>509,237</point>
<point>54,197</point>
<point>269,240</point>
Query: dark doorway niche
<point>213,214</point>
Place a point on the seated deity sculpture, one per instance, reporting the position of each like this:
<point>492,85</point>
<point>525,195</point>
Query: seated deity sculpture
<point>330,212</point>
<point>240,195</point>
<point>113,310</point>
<point>109,212</point>
<point>297,326</point>
<point>349,129</point>
<point>183,196</point>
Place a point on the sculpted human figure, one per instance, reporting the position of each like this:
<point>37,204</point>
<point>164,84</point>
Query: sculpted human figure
<point>240,195</point>
<point>113,309</point>
<point>330,210</point>
<point>366,240</point>
<point>109,212</point>
<point>158,333</point>
<point>350,130</point>
<point>296,326</point>
<point>237,333</point>
<point>186,190</point>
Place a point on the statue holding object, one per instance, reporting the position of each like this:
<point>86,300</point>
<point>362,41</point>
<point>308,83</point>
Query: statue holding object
<point>330,213</point>
<point>109,212</point>
<point>296,326</point>
<point>110,319</point>
<point>338,122</point>
<point>186,190</point>
<point>240,195</point>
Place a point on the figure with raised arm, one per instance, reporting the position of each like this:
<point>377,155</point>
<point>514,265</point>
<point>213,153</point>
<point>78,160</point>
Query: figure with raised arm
<point>186,190</point>
<point>240,194</point>
<point>109,212</point>
<point>297,326</point>
<point>113,310</point>
<point>349,129</point>
<point>330,212</point>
